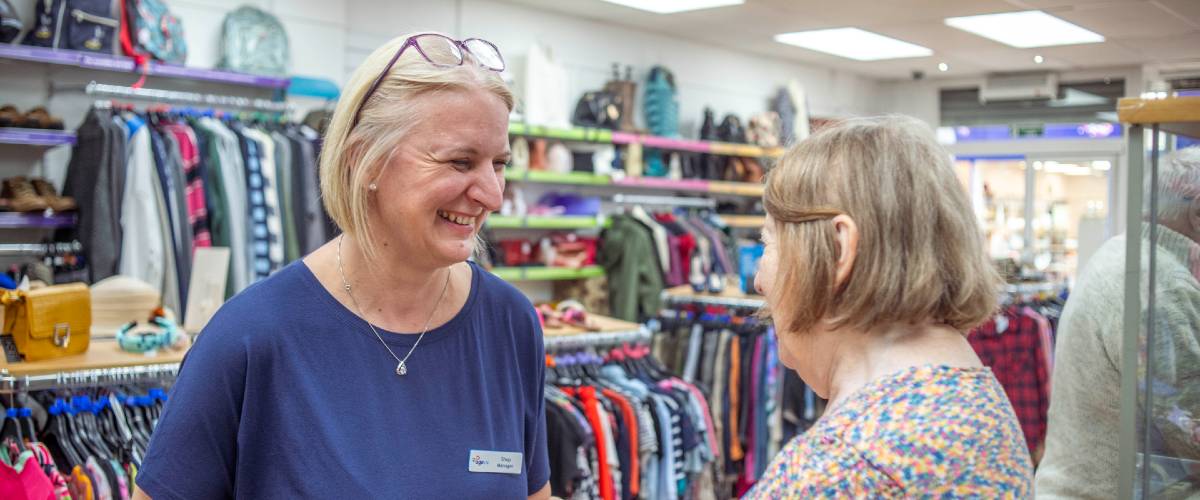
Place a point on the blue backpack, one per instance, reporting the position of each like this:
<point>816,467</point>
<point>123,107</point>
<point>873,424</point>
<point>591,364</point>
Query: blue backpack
<point>87,25</point>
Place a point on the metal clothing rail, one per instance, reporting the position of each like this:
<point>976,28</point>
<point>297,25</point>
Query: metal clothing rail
<point>87,378</point>
<point>22,249</point>
<point>1022,288</point>
<point>597,339</point>
<point>172,96</point>
<point>668,201</point>
<point>714,300</point>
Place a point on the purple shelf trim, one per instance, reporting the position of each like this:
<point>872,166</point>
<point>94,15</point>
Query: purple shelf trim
<point>15,220</point>
<point>35,137</point>
<point>664,183</point>
<point>91,60</point>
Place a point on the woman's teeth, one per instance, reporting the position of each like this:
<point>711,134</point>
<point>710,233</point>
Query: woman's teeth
<point>457,219</point>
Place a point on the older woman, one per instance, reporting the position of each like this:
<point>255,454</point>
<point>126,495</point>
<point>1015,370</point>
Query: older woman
<point>874,271</point>
<point>383,365</point>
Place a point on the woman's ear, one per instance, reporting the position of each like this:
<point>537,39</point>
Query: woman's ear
<point>846,234</point>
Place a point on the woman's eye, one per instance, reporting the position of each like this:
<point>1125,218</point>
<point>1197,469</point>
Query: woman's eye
<point>500,165</point>
<point>461,164</point>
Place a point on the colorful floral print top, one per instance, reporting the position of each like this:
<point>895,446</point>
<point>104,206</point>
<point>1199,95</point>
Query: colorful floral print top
<point>930,431</point>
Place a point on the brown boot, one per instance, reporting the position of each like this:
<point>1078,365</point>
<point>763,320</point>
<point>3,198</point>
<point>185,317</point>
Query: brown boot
<point>21,196</point>
<point>46,190</point>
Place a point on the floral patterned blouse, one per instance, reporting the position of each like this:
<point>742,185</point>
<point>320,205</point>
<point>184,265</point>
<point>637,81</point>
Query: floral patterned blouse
<point>929,431</point>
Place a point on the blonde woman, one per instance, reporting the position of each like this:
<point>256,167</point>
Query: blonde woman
<point>874,271</point>
<point>383,365</point>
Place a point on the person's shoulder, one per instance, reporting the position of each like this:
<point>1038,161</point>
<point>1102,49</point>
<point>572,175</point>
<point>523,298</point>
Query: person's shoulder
<point>822,463</point>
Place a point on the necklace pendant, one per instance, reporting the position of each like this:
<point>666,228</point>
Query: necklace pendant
<point>401,369</point>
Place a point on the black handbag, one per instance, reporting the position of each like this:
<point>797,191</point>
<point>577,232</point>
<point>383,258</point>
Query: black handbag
<point>599,109</point>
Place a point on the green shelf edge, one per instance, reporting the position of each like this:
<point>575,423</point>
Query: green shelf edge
<point>576,178</point>
<point>580,134</point>
<point>546,273</point>
<point>544,222</point>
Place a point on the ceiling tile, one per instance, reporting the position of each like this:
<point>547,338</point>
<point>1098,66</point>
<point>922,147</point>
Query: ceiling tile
<point>1127,20</point>
<point>1162,49</point>
<point>1188,10</point>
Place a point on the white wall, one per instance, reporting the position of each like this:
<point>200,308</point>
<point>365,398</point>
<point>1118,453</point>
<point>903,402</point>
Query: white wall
<point>316,32</point>
<point>727,80</point>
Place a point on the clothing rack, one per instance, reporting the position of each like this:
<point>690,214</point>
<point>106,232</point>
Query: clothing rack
<point>667,201</point>
<point>172,96</point>
<point>601,339</point>
<point>87,378</point>
<point>1027,288</point>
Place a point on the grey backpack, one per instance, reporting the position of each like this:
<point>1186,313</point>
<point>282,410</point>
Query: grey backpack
<point>253,41</point>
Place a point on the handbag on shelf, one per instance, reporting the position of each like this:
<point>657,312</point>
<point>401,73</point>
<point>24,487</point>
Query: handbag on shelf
<point>49,322</point>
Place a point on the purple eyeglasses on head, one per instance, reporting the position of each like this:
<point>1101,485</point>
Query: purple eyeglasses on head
<point>442,51</point>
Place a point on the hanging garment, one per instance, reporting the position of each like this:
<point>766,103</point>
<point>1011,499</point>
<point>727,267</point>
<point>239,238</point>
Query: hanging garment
<point>24,479</point>
<point>143,250</point>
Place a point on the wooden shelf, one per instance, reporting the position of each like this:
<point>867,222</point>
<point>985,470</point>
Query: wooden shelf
<point>575,178</point>
<point>736,188</point>
<point>1177,115</point>
<point>730,296</point>
<point>744,221</point>
<point>606,324</point>
<point>100,354</point>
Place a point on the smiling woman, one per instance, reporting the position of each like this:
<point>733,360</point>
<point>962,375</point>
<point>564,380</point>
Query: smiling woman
<point>413,163</point>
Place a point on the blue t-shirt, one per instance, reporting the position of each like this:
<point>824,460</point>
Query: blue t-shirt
<point>288,394</point>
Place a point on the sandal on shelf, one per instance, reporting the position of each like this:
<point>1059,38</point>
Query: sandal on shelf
<point>21,195</point>
<point>11,117</point>
<point>58,203</point>
<point>39,117</point>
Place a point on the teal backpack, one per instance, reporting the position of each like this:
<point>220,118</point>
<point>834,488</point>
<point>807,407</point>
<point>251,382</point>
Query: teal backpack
<point>253,41</point>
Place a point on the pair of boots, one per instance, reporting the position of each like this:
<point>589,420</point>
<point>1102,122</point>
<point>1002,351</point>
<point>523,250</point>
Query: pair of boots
<point>713,281</point>
<point>20,194</point>
<point>37,117</point>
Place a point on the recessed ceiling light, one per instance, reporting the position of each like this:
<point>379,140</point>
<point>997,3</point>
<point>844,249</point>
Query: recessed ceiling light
<point>1024,29</point>
<point>943,67</point>
<point>853,43</point>
<point>673,6</point>
<point>1038,59</point>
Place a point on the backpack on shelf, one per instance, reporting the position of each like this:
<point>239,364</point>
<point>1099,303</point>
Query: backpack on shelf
<point>87,25</point>
<point>253,41</point>
<point>151,31</point>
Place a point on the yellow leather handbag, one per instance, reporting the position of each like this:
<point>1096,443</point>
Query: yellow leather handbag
<point>49,322</point>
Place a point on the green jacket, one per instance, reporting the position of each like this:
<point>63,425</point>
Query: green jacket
<point>635,283</point>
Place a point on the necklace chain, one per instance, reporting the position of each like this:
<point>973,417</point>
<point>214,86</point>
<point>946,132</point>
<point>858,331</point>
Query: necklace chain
<point>401,367</point>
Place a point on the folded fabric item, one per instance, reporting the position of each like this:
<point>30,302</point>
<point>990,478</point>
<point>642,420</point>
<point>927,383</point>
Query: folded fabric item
<point>569,204</point>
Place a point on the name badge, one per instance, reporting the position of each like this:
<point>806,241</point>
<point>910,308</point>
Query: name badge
<point>496,462</point>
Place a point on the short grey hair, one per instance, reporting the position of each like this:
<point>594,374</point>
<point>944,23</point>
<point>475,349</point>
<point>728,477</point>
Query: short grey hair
<point>1178,184</point>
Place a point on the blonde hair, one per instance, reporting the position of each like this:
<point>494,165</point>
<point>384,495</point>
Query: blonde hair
<point>920,252</point>
<point>353,155</point>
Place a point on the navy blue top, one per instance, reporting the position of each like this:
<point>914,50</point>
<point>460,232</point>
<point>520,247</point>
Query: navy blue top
<point>286,393</point>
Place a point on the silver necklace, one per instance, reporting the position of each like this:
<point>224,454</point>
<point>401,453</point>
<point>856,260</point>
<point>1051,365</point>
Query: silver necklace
<point>401,367</point>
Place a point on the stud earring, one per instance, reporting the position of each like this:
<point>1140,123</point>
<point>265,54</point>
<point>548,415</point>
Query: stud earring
<point>373,187</point>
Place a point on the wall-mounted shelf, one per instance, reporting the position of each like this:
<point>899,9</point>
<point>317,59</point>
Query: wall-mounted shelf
<point>18,220</point>
<point>36,137</point>
<point>603,136</point>
<point>731,296</point>
<point>697,185</point>
<point>547,177</point>
<point>546,273</point>
<point>545,222</point>
<point>91,60</point>
<point>745,221</point>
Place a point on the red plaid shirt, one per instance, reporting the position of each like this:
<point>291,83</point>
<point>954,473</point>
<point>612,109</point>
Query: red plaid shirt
<point>1017,358</point>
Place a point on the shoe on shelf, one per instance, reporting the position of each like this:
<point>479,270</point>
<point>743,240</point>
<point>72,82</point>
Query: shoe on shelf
<point>11,117</point>
<point>46,190</point>
<point>39,117</point>
<point>21,196</point>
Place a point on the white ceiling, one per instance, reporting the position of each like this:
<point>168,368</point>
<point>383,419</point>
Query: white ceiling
<point>1137,31</point>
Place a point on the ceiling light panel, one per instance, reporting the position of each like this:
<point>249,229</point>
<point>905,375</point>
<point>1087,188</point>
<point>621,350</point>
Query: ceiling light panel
<point>674,6</point>
<point>853,43</point>
<point>1024,29</point>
